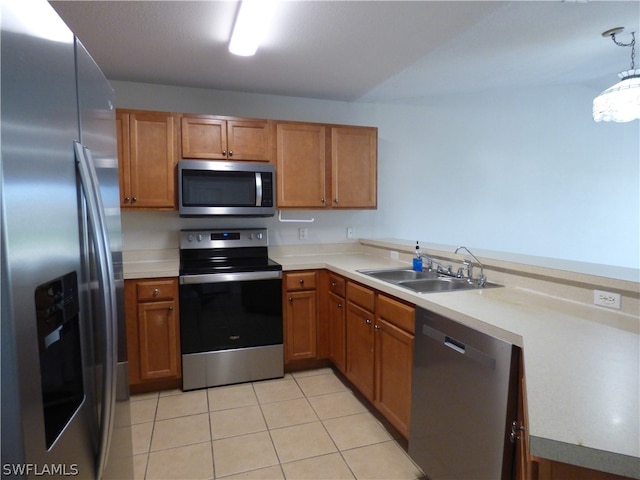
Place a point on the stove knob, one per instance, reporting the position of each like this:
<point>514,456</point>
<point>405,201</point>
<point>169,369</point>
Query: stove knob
<point>190,238</point>
<point>259,235</point>
<point>200,237</point>
<point>251,236</point>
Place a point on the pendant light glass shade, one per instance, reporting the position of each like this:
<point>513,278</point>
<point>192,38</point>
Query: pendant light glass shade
<point>621,102</point>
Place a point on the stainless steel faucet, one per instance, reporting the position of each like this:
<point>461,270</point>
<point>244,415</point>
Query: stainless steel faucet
<point>481,280</point>
<point>446,269</point>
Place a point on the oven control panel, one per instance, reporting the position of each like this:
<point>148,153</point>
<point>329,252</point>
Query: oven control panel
<point>221,238</point>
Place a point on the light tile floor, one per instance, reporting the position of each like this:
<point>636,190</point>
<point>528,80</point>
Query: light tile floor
<point>307,425</point>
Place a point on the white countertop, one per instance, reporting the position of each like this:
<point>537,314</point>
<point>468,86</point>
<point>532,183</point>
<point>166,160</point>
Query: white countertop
<point>582,363</point>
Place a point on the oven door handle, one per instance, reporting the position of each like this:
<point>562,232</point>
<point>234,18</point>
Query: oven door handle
<point>229,277</point>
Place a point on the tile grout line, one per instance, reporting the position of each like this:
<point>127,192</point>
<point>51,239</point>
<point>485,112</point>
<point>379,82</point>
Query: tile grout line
<point>213,459</point>
<point>153,427</point>
<point>268,429</point>
<point>327,431</point>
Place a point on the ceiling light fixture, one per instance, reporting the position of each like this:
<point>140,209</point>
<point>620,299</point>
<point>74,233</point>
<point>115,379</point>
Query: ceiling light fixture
<point>621,102</point>
<point>251,26</point>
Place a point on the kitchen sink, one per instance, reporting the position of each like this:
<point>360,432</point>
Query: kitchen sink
<point>396,275</point>
<point>424,282</point>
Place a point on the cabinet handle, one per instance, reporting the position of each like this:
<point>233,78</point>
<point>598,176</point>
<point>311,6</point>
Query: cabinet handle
<point>368,321</point>
<point>333,284</point>
<point>376,327</point>
<point>290,299</point>
<point>231,153</point>
<point>156,292</point>
<point>335,200</point>
<point>301,282</point>
<point>134,199</point>
<point>339,305</point>
<point>224,152</point>
<point>171,309</point>
<point>127,199</point>
<point>323,200</point>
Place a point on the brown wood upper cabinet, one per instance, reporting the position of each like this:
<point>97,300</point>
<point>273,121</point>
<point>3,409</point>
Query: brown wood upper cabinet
<point>147,157</point>
<point>210,137</point>
<point>354,176</point>
<point>320,166</point>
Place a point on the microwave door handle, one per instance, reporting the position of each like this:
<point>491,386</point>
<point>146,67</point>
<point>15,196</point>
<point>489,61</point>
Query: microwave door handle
<point>258,189</point>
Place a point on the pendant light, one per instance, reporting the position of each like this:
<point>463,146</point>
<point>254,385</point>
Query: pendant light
<point>621,102</point>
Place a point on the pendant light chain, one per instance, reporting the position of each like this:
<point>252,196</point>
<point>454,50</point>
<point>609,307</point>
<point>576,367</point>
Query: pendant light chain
<point>631,44</point>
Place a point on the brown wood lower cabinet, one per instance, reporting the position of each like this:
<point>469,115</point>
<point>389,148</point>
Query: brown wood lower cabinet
<point>359,338</point>
<point>359,348</point>
<point>379,351</point>
<point>394,339</point>
<point>300,315</point>
<point>551,470</point>
<point>337,330</point>
<point>153,333</point>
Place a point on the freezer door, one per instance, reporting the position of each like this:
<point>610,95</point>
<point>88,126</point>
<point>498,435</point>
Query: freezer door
<point>40,242</point>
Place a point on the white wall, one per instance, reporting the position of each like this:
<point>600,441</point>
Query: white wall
<point>526,171</point>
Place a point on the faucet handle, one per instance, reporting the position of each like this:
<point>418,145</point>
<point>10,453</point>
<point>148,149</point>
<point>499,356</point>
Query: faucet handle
<point>469,266</point>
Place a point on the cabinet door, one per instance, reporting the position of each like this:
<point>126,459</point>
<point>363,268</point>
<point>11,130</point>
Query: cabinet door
<point>124,162</point>
<point>354,177</point>
<point>158,340</point>
<point>337,332</point>
<point>153,160</point>
<point>300,165</point>
<point>249,140</point>
<point>300,327</point>
<point>359,350</point>
<point>394,362</point>
<point>523,464</point>
<point>204,137</point>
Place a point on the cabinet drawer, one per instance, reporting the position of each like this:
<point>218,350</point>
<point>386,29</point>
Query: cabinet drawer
<point>337,285</point>
<point>396,313</point>
<point>155,290</point>
<point>361,296</point>
<point>300,281</point>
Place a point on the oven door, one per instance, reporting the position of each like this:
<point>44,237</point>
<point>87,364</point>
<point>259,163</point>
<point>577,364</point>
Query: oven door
<point>231,328</point>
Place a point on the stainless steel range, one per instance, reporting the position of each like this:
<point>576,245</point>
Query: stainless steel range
<point>230,308</point>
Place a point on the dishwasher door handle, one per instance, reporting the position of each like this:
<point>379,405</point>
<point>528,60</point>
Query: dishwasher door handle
<point>459,347</point>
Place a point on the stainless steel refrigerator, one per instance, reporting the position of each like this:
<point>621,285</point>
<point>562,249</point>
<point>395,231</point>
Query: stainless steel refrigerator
<point>65,408</point>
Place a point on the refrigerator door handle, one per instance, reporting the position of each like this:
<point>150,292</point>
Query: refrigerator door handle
<point>98,226</point>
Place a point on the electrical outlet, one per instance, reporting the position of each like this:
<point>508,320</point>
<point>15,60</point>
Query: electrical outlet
<point>606,299</point>
<point>303,233</point>
<point>350,234</point>
<point>394,255</point>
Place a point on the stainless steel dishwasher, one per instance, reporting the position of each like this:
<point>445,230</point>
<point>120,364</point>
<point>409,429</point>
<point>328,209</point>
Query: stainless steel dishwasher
<point>464,399</point>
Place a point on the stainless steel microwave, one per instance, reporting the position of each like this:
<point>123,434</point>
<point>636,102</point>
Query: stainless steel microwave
<point>226,188</point>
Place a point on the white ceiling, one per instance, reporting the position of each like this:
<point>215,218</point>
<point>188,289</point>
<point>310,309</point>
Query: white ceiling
<point>395,51</point>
